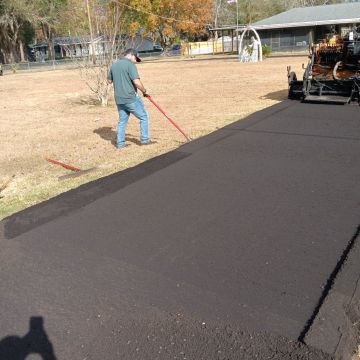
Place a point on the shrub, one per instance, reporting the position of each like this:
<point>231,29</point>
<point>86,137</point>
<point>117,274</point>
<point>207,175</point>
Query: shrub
<point>266,50</point>
<point>14,68</point>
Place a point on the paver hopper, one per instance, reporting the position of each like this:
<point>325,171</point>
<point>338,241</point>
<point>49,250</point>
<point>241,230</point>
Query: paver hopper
<point>333,72</point>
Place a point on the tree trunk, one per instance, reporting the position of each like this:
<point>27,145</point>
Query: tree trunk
<point>92,47</point>
<point>49,39</point>
<point>217,10</point>
<point>15,27</point>
<point>4,56</point>
<point>21,48</point>
<point>163,41</point>
<point>51,49</point>
<point>13,58</point>
<point>5,44</point>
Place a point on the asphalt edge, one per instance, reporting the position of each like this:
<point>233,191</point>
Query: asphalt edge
<point>335,328</point>
<point>72,200</point>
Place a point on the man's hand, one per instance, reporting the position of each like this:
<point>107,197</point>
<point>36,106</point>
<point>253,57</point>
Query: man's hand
<point>145,94</point>
<point>139,85</point>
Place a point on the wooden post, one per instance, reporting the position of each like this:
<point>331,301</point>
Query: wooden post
<point>237,40</point>
<point>21,48</point>
<point>232,40</point>
<point>222,38</point>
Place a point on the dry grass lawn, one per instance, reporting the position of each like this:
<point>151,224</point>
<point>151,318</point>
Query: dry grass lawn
<point>48,115</point>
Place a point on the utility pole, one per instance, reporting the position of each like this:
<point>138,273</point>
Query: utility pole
<point>237,14</point>
<point>217,6</point>
<point>237,26</point>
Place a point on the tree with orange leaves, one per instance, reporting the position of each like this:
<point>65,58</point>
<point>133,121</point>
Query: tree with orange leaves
<point>166,20</point>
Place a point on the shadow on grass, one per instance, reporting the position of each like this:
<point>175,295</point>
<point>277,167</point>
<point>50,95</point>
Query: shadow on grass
<point>279,95</point>
<point>109,134</point>
<point>85,100</point>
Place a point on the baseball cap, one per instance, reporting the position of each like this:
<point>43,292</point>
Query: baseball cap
<point>133,52</point>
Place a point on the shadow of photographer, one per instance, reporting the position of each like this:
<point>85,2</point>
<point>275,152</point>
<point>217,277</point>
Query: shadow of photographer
<point>35,341</point>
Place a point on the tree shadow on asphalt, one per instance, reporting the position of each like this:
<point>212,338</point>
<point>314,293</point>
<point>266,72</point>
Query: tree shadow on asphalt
<point>35,341</point>
<point>279,95</point>
<point>108,134</point>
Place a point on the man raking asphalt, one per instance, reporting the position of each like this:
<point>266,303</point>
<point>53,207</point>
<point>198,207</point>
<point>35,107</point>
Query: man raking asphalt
<point>125,77</point>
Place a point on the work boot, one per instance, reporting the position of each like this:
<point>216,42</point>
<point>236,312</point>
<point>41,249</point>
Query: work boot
<point>149,143</point>
<point>122,147</point>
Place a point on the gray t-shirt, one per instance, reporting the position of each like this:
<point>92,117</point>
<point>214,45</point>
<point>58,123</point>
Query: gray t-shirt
<point>122,72</point>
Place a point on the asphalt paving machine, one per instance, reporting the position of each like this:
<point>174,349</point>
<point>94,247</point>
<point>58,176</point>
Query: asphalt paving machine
<point>333,72</point>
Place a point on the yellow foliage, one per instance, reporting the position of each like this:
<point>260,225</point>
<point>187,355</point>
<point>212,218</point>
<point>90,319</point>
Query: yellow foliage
<point>172,17</point>
<point>134,26</point>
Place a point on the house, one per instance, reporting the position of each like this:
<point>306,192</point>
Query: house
<point>82,46</point>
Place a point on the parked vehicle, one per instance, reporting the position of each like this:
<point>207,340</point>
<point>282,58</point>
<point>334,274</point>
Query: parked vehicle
<point>175,49</point>
<point>158,47</point>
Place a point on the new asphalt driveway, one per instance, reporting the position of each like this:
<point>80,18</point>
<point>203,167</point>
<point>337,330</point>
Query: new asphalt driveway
<point>226,248</point>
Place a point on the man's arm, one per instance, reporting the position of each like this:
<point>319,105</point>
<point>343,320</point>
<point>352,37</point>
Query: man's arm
<point>139,85</point>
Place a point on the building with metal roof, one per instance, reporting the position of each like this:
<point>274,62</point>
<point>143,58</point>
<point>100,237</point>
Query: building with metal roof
<point>346,13</point>
<point>294,30</point>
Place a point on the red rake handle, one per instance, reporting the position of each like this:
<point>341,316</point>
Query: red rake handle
<point>172,121</point>
<point>63,165</point>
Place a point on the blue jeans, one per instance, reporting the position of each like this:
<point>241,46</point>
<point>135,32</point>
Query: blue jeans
<point>136,108</point>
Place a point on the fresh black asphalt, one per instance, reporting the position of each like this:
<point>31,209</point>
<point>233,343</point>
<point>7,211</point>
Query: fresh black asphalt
<point>226,248</point>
